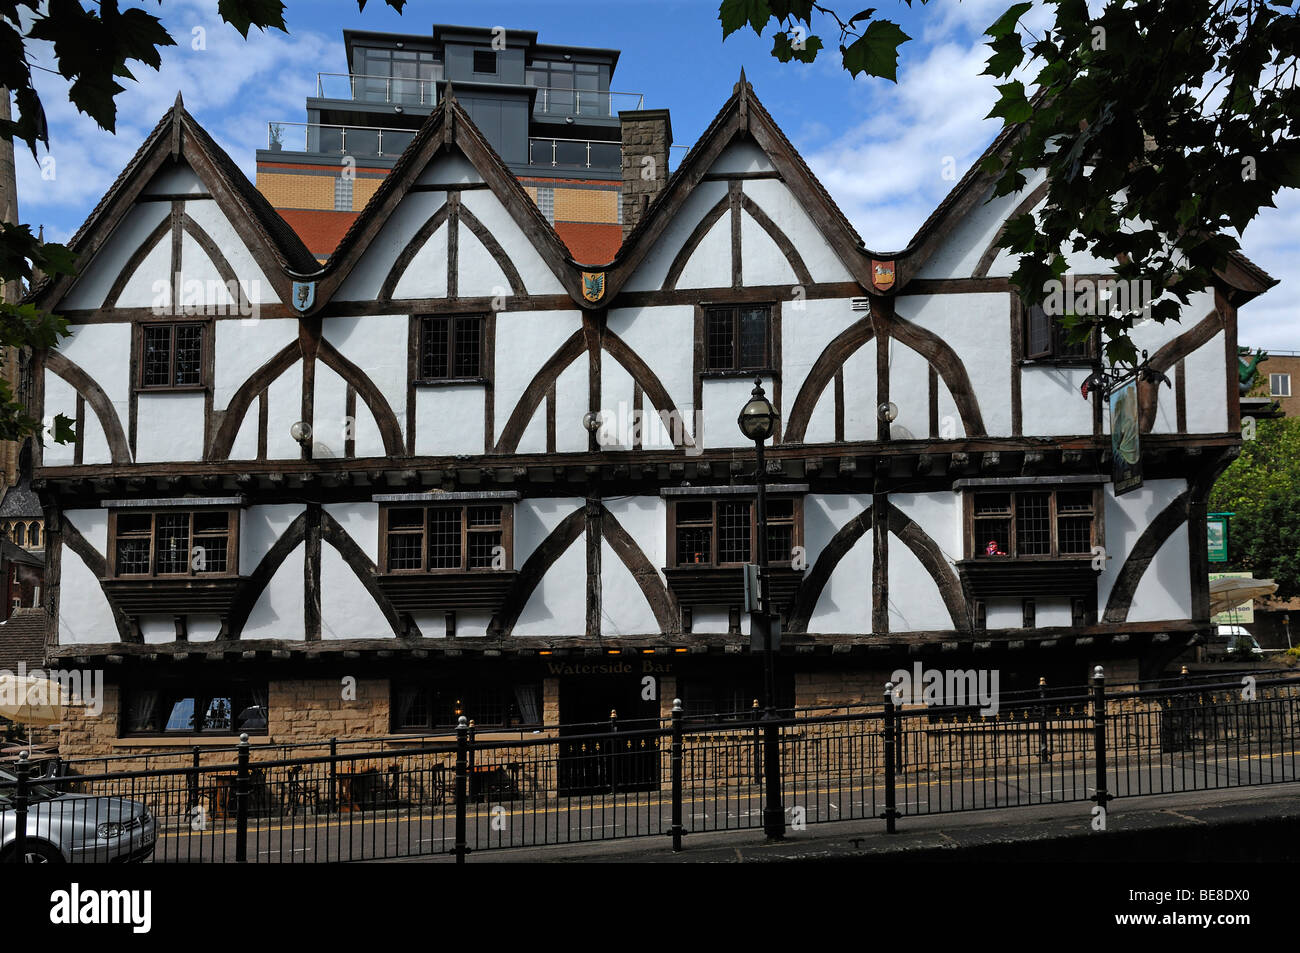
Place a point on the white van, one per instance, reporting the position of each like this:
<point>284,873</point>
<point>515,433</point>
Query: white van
<point>1227,637</point>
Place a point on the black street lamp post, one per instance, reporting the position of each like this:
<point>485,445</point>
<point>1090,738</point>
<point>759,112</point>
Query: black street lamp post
<point>757,421</point>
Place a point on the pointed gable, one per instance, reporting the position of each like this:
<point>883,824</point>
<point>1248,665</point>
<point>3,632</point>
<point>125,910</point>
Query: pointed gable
<point>450,220</point>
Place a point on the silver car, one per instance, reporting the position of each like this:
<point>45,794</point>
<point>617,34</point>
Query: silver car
<point>75,828</point>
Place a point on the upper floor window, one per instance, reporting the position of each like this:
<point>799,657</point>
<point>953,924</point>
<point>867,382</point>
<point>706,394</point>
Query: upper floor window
<point>34,534</point>
<point>446,537</point>
<point>1047,339</point>
<point>723,532</point>
<point>485,61</point>
<point>173,542</point>
<point>1032,523</point>
<point>171,355</point>
<point>1279,385</point>
<point>738,338</point>
<point>451,347</point>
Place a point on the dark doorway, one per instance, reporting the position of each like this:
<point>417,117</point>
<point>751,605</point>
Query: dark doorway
<point>600,755</point>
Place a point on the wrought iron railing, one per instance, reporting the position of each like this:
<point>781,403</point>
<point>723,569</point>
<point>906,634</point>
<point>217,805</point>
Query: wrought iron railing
<point>401,797</point>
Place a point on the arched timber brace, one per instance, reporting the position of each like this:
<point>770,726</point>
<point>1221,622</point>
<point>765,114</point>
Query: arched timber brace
<point>241,606</point>
<point>925,549</point>
<point>1169,354</point>
<point>227,422</point>
<point>98,566</point>
<point>662,602</point>
<point>94,395</point>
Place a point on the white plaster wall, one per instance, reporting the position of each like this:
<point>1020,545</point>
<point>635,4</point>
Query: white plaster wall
<point>821,422</point>
<point>741,157</point>
<point>662,337</point>
<point>533,270</point>
<point>516,366</point>
<point>1207,404</point>
<point>284,408</point>
<point>914,601</point>
<point>60,398</point>
<point>449,169</point>
<point>1050,612</point>
<point>279,609</point>
<point>1126,517</point>
<point>623,606</point>
<point>1050,401</point>
<point>1004,614</point>
<point>776,199</point>
<point>365,279</point>
<point>1165,591</point>
<point>710,264</point>
<point>558,606</point>
<point>201,628</point>
<point>245,445</point>
<point>909,390</point>
<point>328,417</point>
<point>84,614</point>
<point>654,267</point>
<point>722,398</point>
<point>202,286</point>
<point>571,400</point>
<point>243,347</point>
<point>426,273</point>
<point>104,352</point>
<point>617,426</point>
<point>761,261</point>
<point>859,394</point>
<point>94,444</point>
<point>150,284</point>
<point>449,419</point>
<point>939,517</point>
<point>169,427</point>
<point>846,600</point>
<point>958,254</point>
<point>535,519</point>
<point>377,345</point>
<point>98,274</point>
<point>210,218</point>
<point>348,611</point>
<point>479,274</point>
<point>175,179</point>
<point>978,329</point>
<point>361,522</point>
<point>533,439</point>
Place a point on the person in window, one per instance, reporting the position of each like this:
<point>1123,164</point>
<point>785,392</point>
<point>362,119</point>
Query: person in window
<point>992,549</point>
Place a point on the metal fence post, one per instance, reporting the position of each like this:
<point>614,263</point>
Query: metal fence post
<point>462,777</point>
<point>891,730</point>
<point>613,751</point>
<point>192,782</point>
<point>675,762</point>
<point>334,774</point>
<point>20,809</point>
<point>241,803</point>
<point>1044,753</point>
<point>1099,734</point>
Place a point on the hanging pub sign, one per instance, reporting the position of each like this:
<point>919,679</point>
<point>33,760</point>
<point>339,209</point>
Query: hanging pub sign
<point>1125,443</point>
<point>1216,531</point>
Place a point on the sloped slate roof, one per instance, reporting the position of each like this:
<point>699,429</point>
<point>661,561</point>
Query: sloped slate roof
<point>22,639</point>
<point>20,502</point>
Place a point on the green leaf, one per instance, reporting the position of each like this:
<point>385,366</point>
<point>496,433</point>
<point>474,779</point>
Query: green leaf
<point>1012,105</point>
<point>242,14</point>
<point>784,50</point>
<point>876,51</point>
<point>1007,55</point>
<point>1007,22</point>
<point>734,14</point>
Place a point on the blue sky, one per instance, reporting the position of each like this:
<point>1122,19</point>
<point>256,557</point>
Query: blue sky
<point>882,150</point>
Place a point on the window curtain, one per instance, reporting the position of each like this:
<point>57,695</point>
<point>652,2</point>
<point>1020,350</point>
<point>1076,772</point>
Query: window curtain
<point>529,700</point>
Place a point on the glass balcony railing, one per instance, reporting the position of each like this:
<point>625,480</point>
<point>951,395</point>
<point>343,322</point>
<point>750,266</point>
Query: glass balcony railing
<point>552,101</point>
<point>359,141</point>
<point>398,90</point>
<point>576,154</point>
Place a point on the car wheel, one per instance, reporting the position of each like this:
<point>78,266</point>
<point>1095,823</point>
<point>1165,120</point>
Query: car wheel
<point>38,852</point>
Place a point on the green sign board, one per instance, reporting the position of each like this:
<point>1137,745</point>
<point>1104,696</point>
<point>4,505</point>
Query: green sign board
<point>1217,536</point>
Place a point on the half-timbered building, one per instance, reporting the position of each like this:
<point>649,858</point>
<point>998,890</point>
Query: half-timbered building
<point>362,497</point>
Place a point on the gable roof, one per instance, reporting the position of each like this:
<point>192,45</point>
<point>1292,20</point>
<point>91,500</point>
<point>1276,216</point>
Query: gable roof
<point>1240,272</point>
<point>178,135</point>
<point>21,502</point>
<point>742,115</point>
<point>447,125</point>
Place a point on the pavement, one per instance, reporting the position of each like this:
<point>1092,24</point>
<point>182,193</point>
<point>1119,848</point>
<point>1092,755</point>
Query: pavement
<point>1240,824</point>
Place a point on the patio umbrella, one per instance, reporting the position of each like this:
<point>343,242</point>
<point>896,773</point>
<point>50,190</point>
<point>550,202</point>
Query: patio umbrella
<point>32,700</point>
<point>1228,593</point>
